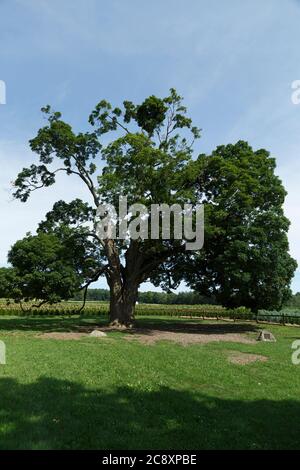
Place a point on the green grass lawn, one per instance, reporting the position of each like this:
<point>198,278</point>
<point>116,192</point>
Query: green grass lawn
<point>116,394</point>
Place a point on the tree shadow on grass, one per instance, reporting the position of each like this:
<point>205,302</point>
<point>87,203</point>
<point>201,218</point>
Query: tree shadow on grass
<point>192,327</point>
<point>57,414</point>
<point>144,325</point>
<point>48,324</point>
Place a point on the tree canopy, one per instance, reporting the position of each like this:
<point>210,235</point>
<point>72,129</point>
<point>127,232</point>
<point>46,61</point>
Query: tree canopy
<point>42,268</point>
<point>245,259</point>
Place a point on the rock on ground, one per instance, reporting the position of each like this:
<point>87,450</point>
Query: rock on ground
<point>265,335</point>
<point>98,334</point>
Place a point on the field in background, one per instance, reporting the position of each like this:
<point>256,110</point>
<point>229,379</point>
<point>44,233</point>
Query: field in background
<point>98,308</point>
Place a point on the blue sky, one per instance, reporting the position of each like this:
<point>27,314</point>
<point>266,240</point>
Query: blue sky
<point>234,62</point>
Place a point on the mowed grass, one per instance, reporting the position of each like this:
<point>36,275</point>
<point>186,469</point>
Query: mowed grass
<point>116,394</point>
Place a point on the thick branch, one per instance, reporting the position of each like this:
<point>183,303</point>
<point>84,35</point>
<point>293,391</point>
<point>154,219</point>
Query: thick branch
<point>86,286</point>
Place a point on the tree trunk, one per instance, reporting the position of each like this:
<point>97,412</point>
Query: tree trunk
<point>124,283</point>
<point>122,304</point>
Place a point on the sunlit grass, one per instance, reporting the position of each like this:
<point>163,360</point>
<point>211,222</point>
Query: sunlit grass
<point>118,394</point>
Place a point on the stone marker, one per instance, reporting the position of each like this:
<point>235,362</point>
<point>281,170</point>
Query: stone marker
<point>98,334</point>
<point>265,335</point>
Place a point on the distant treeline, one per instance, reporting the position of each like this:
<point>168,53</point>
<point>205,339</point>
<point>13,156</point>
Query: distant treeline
<point>294,301</point>
<point>182,298</point>
<point>94,294</point>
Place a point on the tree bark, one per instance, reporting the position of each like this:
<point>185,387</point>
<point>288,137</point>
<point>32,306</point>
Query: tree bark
<point>122,304</point>
<point>124,282</point>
